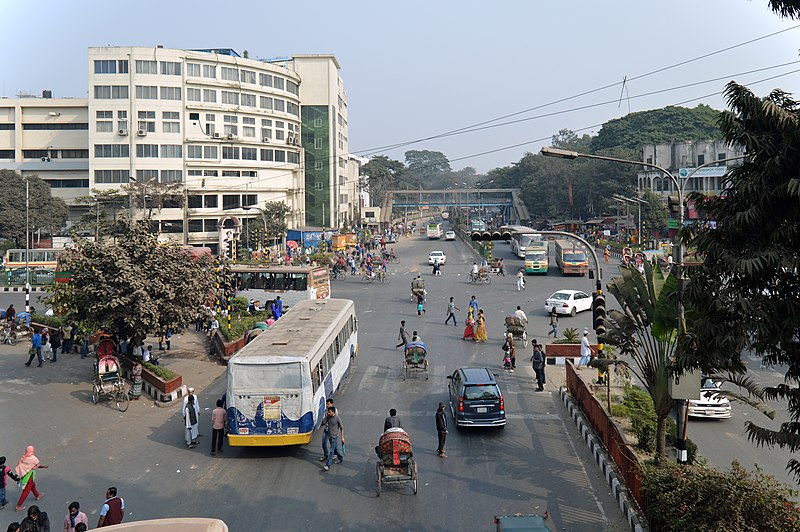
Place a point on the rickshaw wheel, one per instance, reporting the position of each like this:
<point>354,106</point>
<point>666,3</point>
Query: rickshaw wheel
<point>378,473</point>
<point>121,399</point>
<point>12,338</point>
<point>488,280</point>
<point>95,393</point>
<point>415,476</point>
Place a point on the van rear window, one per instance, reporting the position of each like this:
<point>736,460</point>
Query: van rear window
<point>481,392</point>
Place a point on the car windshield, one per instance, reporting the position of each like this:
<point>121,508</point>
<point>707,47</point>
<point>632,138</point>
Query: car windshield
<point>561,296</point>
<point>481,392</point>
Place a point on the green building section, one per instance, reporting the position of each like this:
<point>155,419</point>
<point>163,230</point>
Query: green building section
<point>316,143</point>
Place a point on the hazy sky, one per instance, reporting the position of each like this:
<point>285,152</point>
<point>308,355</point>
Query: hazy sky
<point>415,69</point>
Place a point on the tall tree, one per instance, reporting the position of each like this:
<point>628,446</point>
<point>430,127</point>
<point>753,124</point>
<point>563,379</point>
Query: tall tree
<point>654,212</point>
<point>135,285</point>
<point>102,219</point>
<point>426,162</point>
<point>274,215</point>
<point>746,293</point>
<point>46,211</point>
<point>382,174</point>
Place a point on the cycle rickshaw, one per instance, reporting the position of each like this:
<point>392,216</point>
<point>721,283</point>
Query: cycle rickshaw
<point>395,459</point>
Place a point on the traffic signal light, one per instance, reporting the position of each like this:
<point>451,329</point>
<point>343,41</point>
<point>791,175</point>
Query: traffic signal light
<point>599,313</point>
<point>478,236</point>
<point>673,204</point>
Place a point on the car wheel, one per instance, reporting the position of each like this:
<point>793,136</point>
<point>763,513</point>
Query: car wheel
<point>573,312</point>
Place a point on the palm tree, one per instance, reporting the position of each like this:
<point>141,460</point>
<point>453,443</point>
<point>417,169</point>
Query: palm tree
<point>645,330</point>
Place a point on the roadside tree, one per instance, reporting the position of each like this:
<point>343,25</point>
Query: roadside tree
<point>135,285</point>
<point>46,212</point>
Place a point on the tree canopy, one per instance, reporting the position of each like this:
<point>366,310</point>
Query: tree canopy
<point>135,285</point>
<point>45,212</point>
<point>746,293</point>
<point>383,174</point>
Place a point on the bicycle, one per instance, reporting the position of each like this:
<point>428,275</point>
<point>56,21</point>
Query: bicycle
<point>8,336</point>
<point>338,274</point>
<point>481,278</point>
<point>379,277</point>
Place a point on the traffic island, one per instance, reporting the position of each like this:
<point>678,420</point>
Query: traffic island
<point>163,385</point>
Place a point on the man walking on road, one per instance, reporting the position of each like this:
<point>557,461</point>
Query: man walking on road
<point>451,313</point>
<point>586,351</point>
<point>441,429</point>
<point>403,335</point>
<point>473,304</point>
<point>113,509</point>
<point>218,418</point>
<point>335,433</point>
<point>36,349</point>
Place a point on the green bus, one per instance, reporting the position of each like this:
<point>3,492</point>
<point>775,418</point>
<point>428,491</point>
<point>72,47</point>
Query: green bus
<point>536,257</point>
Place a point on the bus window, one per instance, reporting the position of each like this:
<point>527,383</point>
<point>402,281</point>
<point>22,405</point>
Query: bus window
<point>316,377</point>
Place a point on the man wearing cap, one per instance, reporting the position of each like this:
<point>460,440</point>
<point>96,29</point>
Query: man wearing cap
<point>196,402</point>
<point>586,351</point>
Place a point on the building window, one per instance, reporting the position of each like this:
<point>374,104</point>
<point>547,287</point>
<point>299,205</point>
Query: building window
<point>209,95</point>
<point>292,108</point>
<point>230,98</point>
<point>231,130</point>
<point>249,154</point>
<point>342,199</point>
<point>112,150</point>
<point>170,93</point>
<point>229,74</point>
<point>170,68</point>
<point>171,176</point>
<point>280,156</point>
<point>56,126</point>
<point>279,134</point>
<point>194,151</point>
<point>277,82</point>
<point>249,173</point>
<point>318,185</point>
<point>317,122</point>
<point>265,102</point>
<point>266,122</point>
<point>210,173</point>
<point>319,165</point>
<point>35,154</point>
<point>210,152</point>
<point>193,95</point>
<point>292,87</point>
<point>265,80</point>
<point>122,66</point>
<point>247,76</point>
<point>278,104</point>
<point>230,152</point>
<point>211,201</point>
<point>147,150</point>
<point>74,154</point>
<point>194,202</point>
<point>194,173</point>
<point>111,176</point>
<point>249,131</point>
<point>701,160</point>
<point>193,70</point>
<point>146,92</point>
<point>249,100</point>
<point>6,154</point>
<point>231,173</point>
<point>147,121</point>
<point>144,176</point>
<point>105,121</point>
<point>267,155</point>
<point>171,115</point>
<point>122,120</point>
<point>249,199</point>
<point>292,157</point>
<point>146,67</point>
<point>105,66</point>
<point>211,225</point>
<point>317,144</point>
<point>111,92</point>
<point>248,120</point>
<point>172,151</point>
<point>266,134</point>
<point>195,226</point>
<point>209,71</point>
<point>230,201</point>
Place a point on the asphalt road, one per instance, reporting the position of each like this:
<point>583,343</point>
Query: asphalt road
<point>536,463</point>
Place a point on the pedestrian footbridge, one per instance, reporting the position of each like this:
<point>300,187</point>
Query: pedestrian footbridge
<point>508,200</point>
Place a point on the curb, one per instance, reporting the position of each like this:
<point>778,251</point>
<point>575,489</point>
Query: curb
<point>604,462</point>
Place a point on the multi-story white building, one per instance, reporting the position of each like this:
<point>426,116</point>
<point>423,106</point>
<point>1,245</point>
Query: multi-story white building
<point>48,137</point>
<point>680,158</point>
<point>199,138</point>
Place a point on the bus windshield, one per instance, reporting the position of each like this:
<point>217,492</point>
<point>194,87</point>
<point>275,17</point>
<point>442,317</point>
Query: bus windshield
<point>539,255</point>
<point>525,240</point>
<point>572,256</point>
<point>267,377</point>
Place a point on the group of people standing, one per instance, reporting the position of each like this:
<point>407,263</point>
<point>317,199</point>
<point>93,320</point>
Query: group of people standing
<point>475,322</point>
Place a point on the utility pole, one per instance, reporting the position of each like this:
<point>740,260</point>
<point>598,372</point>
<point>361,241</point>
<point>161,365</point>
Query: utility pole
<point>27,245</point>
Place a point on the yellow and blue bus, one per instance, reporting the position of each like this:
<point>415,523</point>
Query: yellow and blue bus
<point>278,383</point>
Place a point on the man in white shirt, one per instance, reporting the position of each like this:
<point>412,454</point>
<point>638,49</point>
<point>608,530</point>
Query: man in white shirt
<point>474,268</point>
<point>586,351</point>
<point>520,314</point>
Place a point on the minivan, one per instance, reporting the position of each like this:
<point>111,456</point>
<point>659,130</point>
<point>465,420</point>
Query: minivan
<point>476,399</point>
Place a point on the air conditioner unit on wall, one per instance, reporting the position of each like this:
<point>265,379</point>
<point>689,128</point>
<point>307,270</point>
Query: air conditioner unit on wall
<point>289,139</point>
<point>122,132</point>
<point>266,139</point>
<point>142,133</point>
<point>231,137</point>
<point>216,135</point>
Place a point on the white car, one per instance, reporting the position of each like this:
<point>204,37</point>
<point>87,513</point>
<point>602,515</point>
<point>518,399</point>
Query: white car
<point>450,235</point>
<point>711,404</point>
<point>568,302</point>
<point>437,257</point>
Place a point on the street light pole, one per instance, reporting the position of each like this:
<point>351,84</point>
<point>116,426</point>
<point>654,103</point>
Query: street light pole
<point>567,154</point>
<point>639,203</point>
<point>27,245</point>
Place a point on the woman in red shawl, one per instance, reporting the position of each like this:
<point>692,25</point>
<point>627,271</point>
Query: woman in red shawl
<point>26,470</point>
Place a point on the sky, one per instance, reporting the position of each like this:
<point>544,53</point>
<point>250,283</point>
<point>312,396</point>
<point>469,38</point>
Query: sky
<point>414,70</point>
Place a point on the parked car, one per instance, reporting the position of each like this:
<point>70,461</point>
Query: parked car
<point>711,404</point>
<point>437,256</point>
<point>568,302</point>
<point>449,235</point>
<point>475,398</point>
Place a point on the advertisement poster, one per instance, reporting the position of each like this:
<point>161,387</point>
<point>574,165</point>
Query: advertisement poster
<point>272,408</point>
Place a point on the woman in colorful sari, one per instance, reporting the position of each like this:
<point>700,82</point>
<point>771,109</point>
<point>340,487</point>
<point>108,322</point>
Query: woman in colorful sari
<point>136,381</point>
<point>469,330</point>
<point>480,330</point>
<point>26,471</point>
